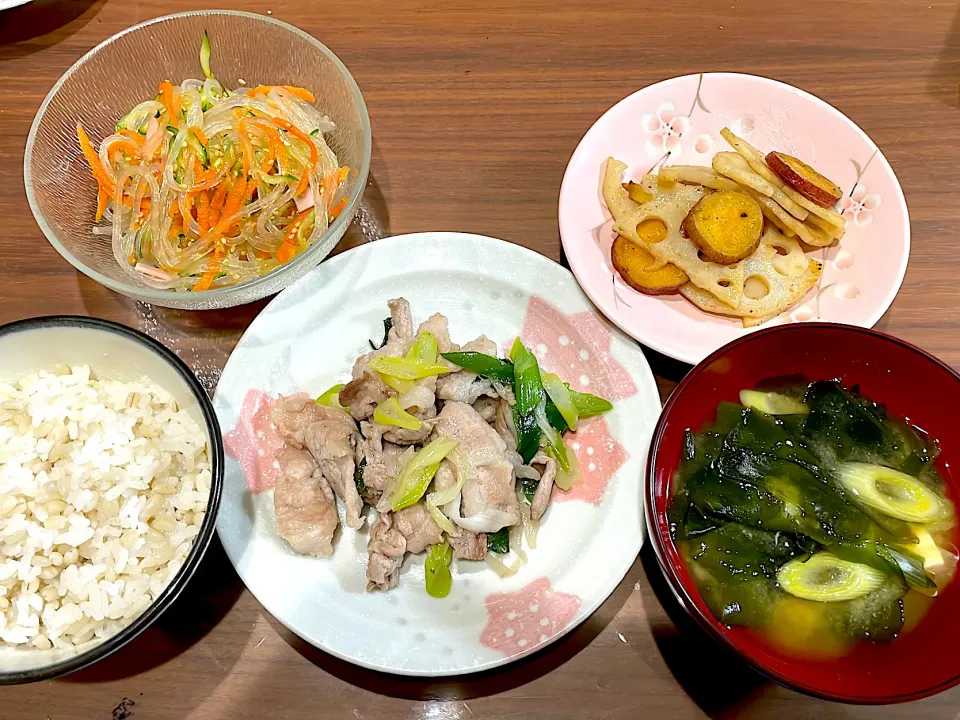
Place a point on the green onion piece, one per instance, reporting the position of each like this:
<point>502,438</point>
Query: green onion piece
<point>331,398</point>
<point>587,404</point>
<point>205,55</point>
<point>358,476</point>
<point>482,364</point>
<point>528,389</point>
<point>554,417</point>
<point>437,570</point>
<point>568,467</point>
<point>425,348</point>
<point>407,368</point>
<point>418,473</point>
<point>314,132</point>
<point>389,412</point>
<point>529,488</point>
<point>560,394</point>
<point>387,324</point>
<point>499,542</point>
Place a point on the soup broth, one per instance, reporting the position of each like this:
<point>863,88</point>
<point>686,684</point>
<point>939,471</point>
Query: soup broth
<point>812,515</point>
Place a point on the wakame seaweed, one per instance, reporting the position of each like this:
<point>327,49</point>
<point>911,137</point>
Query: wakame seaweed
<point>756,490</point>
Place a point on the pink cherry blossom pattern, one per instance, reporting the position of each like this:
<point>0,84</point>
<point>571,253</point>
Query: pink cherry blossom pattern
<point>665,128</point>
<point>520,621</point>
<point>255,441</point>
<point>600,457</point>
<point>577,348</point>
<point>860,205</point>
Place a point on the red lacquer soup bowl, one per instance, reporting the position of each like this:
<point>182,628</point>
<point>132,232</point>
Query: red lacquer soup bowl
<point>913,385</point>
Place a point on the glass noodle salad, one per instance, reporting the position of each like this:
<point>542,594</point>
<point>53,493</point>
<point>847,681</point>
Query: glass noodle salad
<point>204,187</point>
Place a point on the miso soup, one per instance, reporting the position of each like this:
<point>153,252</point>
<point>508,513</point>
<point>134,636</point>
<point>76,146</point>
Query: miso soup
<point>813,516</point>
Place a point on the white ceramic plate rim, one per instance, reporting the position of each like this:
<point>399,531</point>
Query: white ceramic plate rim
<point>612,314</point>
<point>505,253</point>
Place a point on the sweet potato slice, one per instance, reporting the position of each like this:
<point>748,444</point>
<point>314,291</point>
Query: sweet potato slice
<point>725,225</point>
<point>639,270</point>
<point>804,179</point>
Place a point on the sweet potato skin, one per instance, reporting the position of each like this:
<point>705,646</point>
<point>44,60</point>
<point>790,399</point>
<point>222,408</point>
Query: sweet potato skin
<point>805,179</point>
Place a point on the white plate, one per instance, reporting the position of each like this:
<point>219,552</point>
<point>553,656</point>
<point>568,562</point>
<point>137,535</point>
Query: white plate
<point>7,4</point>
<point>307,340</point>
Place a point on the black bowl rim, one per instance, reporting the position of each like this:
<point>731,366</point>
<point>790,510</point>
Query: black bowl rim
<point>202,541</point>
<point>681,592</point>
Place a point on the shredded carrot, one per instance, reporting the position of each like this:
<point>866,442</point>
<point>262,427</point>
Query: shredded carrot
<point>203,210</point>
<point>232,205</point>
<point>276,142</point>
<point>102,198</point>
<point>335,212</point>
<point>132,148</point>
<point>234,200</point>
<point>299,92</point>
<point>185,209</point>
<point>314,155</point>
<point>201,136</point>
<point>145,208</point>
<point>216,204</point>
<point>213,269</point>
<point>106,186</point>
<point>288,248</point>
<point>170,100</point>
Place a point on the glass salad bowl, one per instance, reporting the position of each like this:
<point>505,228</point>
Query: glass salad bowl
<point>126,69</point>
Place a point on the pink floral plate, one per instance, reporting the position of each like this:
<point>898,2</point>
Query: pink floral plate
<point>678,122</point>
<point>306,340</point>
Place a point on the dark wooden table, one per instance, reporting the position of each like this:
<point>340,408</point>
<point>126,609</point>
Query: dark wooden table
<point>476,107</point>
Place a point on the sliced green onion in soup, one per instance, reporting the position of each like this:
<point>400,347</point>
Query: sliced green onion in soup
<point>893,493</point>
<point>772,403</point>
<point>826,578</point>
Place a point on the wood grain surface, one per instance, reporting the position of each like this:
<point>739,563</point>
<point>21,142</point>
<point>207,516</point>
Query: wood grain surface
<point>476,108</point>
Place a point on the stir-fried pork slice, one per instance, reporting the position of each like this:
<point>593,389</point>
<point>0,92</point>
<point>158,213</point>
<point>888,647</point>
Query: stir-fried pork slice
<point>486,407</point>
<point>541,498</point>
<point>401,320</point>
<point>417,527</point>
<point>463,385</point>
<point>379,433</point>
<point>293,414</point>
<point>362,395</point>
<point>333,441</point>
<point>489,501</point>
<point>438,325</point>
<point>304,506</point>
<point>504,425</point>
<point>382,463</point>
<point>469,545</point>
<point>367,390</point>
<point>386,549</point>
